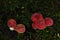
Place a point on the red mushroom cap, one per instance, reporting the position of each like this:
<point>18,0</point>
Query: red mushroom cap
<point>48,21</point>
<point>20,28</point>
<point>11,23</point>
<point>39,25</point>
<point>36,16</point>
<point>34,26</point>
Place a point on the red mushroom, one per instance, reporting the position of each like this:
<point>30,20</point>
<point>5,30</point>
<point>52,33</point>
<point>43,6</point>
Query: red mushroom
<point>11,23</point>
<point>20,28</point>
<point>48,21</point>
<point>36,16</point>
<point>34,26</point>
<point>39,25</point>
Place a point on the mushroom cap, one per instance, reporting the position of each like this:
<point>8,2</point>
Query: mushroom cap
<point>11,23</point>
<point>34,26</point>
<point>20,28</point>
<point>39,25</point>
<point>48,21</point>
<point>36,16</point>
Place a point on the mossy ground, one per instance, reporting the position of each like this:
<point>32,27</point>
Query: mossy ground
<point>21,11</point>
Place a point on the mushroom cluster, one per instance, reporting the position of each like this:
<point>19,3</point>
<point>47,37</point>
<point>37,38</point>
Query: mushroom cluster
<point>39,22</point>
<point>20,28</point>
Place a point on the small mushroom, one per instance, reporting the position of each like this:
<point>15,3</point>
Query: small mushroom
<point>11,24</point>
<point>48,21</point>
<point>41,25</point>
<point>36,16</point>
<point>20,28</point>
<point>34,26</point>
